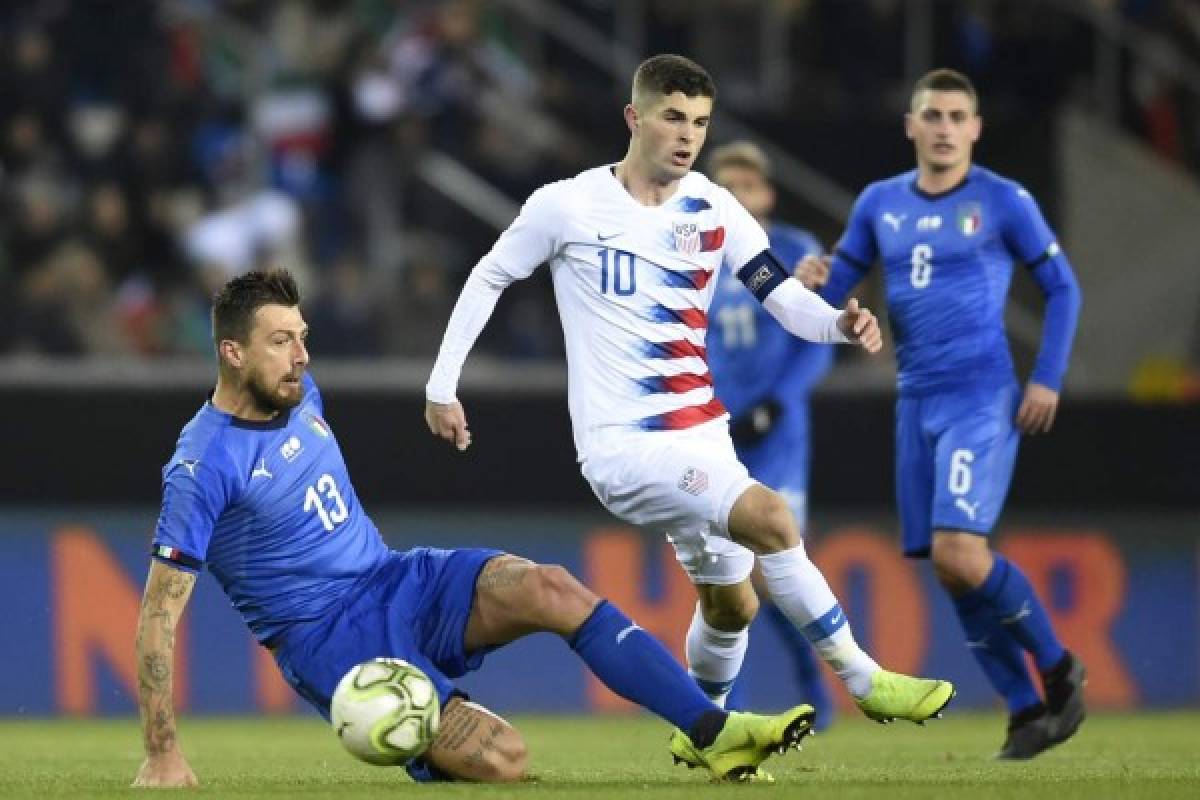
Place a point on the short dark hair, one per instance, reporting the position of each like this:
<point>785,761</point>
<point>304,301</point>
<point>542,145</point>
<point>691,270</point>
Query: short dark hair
<point>234,305</point>
<point>945,80</point>
<point>666,74</point>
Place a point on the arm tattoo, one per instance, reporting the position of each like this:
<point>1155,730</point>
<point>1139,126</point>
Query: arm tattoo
<point>504,573</point>
<point>456,729</point>
<point>166,595</point>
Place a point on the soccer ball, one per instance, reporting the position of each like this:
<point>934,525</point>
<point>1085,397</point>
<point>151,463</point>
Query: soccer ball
<point>385,711</point>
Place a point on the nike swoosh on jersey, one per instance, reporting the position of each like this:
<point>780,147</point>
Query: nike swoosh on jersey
<point>604,237</point>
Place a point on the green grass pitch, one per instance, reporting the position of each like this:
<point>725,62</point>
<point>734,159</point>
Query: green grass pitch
<point>1145,755</point>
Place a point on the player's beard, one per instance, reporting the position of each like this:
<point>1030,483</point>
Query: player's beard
<point>271,400</point>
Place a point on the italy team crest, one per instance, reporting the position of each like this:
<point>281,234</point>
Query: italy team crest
<point>319,426</point>
<point>970,218</point>
<point>687,238</point>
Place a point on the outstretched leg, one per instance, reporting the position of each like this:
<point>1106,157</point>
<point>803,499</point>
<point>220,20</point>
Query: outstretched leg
<point>761,521</point>
<point>515,597</point>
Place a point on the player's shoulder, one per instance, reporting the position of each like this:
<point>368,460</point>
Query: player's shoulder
<point>590,180</point>
<point>894,188</point>
<point>1000,186</point>
<point>562,197</point>
<point>203,447</point>
<point>699,193</point>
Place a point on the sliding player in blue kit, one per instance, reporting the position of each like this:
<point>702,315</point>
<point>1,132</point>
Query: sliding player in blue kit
<point>258,492</point>
<point>763,375</point>
<point>948,234</point>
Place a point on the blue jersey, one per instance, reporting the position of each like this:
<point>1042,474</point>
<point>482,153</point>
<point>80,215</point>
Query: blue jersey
<point>269,507</point>
<point>947,261</point>
<point>752,358</point>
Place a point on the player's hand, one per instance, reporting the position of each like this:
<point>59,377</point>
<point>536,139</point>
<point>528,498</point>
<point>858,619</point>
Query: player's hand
<point>165,770</point>
<point>447,421</point>
<point>813,271</point>
<point>1038,407</point>
<point>860,326</point>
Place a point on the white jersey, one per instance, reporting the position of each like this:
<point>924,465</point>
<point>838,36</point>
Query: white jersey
<point>633,285</point>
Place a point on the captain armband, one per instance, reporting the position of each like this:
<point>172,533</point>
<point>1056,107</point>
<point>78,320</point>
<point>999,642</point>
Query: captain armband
<point>762,274</point>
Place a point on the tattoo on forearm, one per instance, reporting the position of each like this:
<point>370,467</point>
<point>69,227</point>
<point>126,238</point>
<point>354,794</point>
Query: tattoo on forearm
<point>456,730</point>
<point>161,606</point>
<point>504,573</point>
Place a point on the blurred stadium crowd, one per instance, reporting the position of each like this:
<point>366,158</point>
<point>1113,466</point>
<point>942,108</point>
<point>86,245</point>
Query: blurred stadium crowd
<point>149,150</point>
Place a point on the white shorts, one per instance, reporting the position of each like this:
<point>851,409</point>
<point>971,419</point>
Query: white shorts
<point>682,484</point>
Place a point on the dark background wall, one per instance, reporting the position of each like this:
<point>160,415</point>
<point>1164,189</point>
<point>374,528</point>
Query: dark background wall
<point>107,447</point>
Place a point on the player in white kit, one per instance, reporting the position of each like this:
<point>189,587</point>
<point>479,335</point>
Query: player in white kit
<point>633,250</point>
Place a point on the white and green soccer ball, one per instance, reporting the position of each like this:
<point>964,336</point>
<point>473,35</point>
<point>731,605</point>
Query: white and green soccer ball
<point>385,711</point>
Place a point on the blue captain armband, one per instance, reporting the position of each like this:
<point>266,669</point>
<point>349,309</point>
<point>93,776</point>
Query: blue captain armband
<point>762,274</point>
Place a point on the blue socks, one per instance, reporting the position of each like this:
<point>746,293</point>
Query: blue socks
<point>1002,619</point>
<point>1015,605</point>
<point>636,666</point>
<point>1000,656</point>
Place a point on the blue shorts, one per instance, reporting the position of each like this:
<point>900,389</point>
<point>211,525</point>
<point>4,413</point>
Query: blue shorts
<point>780,459</point>
<point>414,606</point>
<point>954,461</point>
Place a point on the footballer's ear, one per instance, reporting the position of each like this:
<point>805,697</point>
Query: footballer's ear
<point>631,117</point>
<point>230,352</point>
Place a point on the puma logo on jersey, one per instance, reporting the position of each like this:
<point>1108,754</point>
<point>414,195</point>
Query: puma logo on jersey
<point>895,220</point>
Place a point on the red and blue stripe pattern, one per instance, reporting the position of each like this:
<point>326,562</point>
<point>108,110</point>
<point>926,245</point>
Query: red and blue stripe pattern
<point>676,348</point>
<point>682,418</point>
<point>692,317</point>
<point>676,384</point>
<point>687,279</point>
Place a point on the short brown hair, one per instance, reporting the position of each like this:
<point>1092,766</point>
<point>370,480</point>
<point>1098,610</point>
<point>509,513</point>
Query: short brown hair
<point>739,154</point>
<point>666,74</point>
<point>944,80</point>
<point>234,305</point>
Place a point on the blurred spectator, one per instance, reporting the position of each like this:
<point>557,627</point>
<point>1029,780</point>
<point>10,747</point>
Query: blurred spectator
<point>415,323</point>
<point>149,150</point>
<point>347,315</point>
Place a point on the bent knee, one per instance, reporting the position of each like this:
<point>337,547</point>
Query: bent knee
<point>779,529</point>
<point>762,521</point>
<point>733,616</point>
<point>561,594</point>
<point>961,561</point>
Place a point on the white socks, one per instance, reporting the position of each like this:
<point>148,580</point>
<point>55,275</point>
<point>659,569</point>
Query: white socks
<point>801,593</point>
<point>714,656</point>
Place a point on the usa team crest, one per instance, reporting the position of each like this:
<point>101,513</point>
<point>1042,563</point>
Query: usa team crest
<point>970,218</point>
<point>687,238</point>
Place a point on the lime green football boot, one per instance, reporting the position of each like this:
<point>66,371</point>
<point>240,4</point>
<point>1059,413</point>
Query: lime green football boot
<point>745,742</point>
<point>894,696</point>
